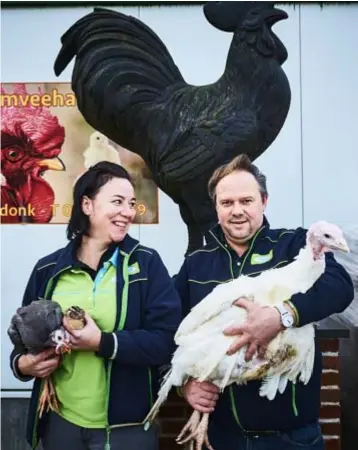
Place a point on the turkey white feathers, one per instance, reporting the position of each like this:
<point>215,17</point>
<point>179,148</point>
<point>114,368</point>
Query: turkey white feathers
<point>202,346</point>
<point>270,288</point>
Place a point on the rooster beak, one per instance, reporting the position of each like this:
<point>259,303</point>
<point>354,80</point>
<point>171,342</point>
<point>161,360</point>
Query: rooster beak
<point>52,164</point>
<point>275,15</point>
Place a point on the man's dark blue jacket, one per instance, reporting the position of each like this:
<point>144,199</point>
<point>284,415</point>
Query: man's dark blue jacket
<point>241,407</point>
<point>148,315</point>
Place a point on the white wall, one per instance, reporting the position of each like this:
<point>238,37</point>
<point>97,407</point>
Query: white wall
<point>329,67</point>
<point>312,166</point>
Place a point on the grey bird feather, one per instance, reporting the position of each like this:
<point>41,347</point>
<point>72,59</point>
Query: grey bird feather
<point>31,328</point>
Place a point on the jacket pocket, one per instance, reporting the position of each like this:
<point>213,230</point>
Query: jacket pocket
<point>305,436</point>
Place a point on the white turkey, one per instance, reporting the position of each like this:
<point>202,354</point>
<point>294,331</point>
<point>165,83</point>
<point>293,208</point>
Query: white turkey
<point>202,346</point>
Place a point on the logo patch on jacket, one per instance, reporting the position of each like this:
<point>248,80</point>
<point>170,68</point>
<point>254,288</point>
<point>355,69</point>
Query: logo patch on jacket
<point>261,259</point>
<point>133,269</point>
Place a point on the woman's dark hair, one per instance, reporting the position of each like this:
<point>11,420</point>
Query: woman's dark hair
<point>88,185</point>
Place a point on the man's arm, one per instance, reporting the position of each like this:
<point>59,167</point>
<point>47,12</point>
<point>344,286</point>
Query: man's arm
<point>331,294</point>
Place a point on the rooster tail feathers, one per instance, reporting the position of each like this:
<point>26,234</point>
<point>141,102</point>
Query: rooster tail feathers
<point>121,68</point>
<point>69,41</point>
<point>131,46</point>
<point>14,334</point>
<point>66,53</point>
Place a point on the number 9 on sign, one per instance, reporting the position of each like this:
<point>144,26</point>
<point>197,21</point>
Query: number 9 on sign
<point>141,209</point>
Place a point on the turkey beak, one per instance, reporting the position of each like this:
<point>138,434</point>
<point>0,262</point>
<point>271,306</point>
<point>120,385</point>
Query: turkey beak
<point>343,246</point>
<point>52,164</point>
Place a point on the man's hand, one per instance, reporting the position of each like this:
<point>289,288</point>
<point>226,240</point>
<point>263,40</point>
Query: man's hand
<point>201,396</point>
<point>86,339</point>
<point>262,325</point>
<point>41,365</point>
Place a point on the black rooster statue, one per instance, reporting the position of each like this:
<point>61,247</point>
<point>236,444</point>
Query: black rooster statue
<point>128,87</point>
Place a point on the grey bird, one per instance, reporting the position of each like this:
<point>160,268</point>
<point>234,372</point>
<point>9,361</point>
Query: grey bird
<point>35,328</point>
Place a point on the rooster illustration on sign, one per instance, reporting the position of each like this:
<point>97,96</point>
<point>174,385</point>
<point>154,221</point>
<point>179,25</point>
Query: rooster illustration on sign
<point>31,141</point>
<point>129,88</point>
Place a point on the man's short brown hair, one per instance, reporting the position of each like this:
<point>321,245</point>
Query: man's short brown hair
<point>239,163</point>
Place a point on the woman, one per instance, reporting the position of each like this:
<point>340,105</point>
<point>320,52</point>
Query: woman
<point>107,385</point>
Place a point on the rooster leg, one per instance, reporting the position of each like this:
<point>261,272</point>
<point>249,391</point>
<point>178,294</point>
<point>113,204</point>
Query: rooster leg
<point>191,426</point>
<point>48,397</point>
<point>52,397</point>
<point>43,399</point>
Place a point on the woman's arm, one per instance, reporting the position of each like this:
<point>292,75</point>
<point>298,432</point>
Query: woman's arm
<point>154,344</point>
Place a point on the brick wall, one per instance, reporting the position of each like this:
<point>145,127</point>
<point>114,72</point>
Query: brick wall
<point>330,417</point>
<point>175,411</point>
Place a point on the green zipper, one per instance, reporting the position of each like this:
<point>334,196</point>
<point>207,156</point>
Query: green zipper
<point>294,405</point>
<point>34,434</point>
<point>231,392</point>
<point>122,320</point>
<point>150,387</point>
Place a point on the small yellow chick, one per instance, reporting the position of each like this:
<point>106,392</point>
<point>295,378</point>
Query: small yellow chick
<point>100,150</point>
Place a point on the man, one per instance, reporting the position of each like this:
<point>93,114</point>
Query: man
<point>243,243</point>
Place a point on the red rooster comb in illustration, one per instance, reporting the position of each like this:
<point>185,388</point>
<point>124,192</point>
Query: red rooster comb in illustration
<point>21,118</point>
<point>31,141</point>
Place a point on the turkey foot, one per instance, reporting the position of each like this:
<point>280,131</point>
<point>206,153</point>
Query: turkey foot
<point>199,432</point>
<point>48,397</point>
<point>191,426</point>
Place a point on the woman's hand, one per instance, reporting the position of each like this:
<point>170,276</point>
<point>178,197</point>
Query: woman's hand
<point>201,396</point>
<point>41,365</point>
<point>86,339</point>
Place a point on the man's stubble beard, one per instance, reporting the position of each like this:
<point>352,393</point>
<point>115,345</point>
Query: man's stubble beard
<point>241,240</point>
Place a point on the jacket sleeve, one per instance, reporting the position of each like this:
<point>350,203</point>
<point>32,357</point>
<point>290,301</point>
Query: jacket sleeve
<point>154,344</point>
<point>331,294</point>
<point>29,295</point>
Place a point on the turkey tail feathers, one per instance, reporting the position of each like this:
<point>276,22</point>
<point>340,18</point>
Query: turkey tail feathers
<point>162,396</point>
<point>270,386</point>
